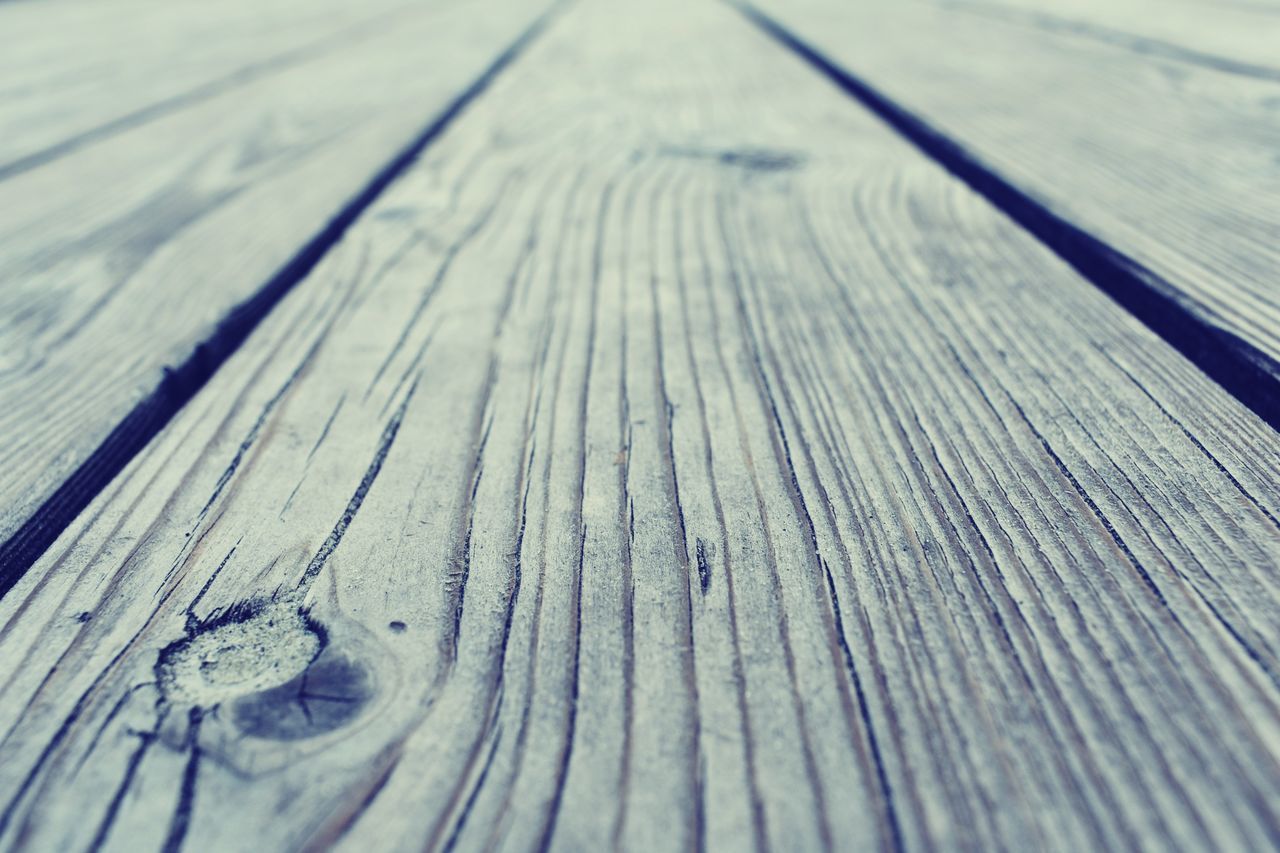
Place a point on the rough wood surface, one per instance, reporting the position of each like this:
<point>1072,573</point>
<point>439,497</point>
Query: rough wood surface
<point>120,259</point>
<point>1168,160</point>
<point>673,458</point>
<point>76,71</point>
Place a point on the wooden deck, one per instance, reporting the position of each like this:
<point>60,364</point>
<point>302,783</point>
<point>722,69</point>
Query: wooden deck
<point>748,425</point>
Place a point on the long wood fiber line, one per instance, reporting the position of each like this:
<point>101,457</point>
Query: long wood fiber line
<point>1153,174</point>
<point>672,458</point>
<point>133,266</point>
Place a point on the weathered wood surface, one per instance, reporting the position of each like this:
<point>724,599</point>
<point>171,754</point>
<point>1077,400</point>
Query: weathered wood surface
<point>1235,36</point>
<point>1169,162</point>
<point>121,259</point>
<point>82,70</point>
<point>673,457</point>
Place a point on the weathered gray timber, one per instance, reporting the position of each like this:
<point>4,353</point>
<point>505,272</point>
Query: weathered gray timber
<point>1153,168</point>
<point>132,264</point>
<point>673,457</point>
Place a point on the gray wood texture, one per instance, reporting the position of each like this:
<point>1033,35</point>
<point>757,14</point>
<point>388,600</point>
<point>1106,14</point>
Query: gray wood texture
<point>1166,155</point>
<point>121,257</point>
<point>1236,36</point>
<point>76,71</point>
<point>673,458</point>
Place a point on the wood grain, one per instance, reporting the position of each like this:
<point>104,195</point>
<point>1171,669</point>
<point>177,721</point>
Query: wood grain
<point>76,73</point>
<point>1169,163</point>
<point>129,263</point>
<point>673,458</point>
<point>1232,36</point>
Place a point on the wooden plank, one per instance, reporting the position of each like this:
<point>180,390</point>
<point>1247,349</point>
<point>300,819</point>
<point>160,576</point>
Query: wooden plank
<point>1236,36</point>
<point>672,458</point>
<point>74,71</point>
<point>1157,173</point>
<point>131,266</point>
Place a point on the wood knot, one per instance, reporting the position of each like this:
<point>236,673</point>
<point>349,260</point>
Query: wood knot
<point>328,695</point>
<point>270,662</point>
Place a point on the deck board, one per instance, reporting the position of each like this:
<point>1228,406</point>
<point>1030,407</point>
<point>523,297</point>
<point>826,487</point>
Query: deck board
<point>1236,36</point>
<point>1168,163</point>
<point>132,264</point>
<point>86,70</point>
<point>673,456</point>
